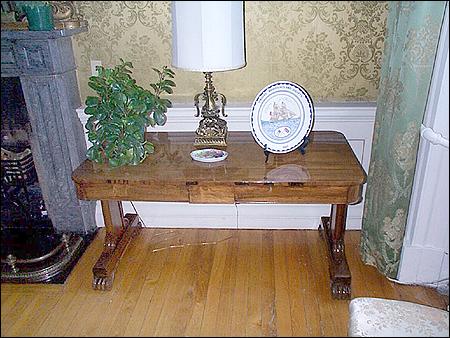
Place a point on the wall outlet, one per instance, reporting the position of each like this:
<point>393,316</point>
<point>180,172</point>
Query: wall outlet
<point>95,63</point>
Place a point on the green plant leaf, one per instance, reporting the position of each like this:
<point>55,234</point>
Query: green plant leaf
<point>92,136</point>
<point>135,159</point>
<point>91,101</point>
<point>100,70</point>
<point>166,103</point>
<point>157,71</point>
<point>169,83</point>
<point>151,121</point>
<point>167,89</point>
<point>155,87</point>
<point>141,107</point>
<point>149,147</point>
<point>91,110</point>
<point>159,118</point>
<point>90,153</point>
<point>114,162</point>
<point>120,99</point>
<point>116,87</point>
<point>168,71</point>
<point>94,153</point>
<point>95,86</point>
<point>90,123</point>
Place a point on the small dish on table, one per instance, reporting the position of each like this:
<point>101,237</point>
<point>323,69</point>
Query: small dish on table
<point>209,155</point>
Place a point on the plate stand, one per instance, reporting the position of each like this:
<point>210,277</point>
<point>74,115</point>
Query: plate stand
<point>301,149</point>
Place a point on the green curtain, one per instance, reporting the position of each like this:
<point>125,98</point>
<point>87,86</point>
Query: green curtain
<point>413,29</point>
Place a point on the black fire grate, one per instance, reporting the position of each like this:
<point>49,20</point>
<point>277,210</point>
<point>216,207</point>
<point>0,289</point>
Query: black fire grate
<point>17,168</point>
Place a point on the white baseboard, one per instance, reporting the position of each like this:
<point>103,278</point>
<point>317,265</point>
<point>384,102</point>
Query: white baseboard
<point>430,266</point>
<point>354,120</point>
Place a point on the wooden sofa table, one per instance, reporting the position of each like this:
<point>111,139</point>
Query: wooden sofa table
<point>328,173</point>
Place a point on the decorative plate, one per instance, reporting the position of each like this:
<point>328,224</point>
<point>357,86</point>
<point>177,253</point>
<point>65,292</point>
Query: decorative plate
<point>209,155</point>
<point>282,116</point>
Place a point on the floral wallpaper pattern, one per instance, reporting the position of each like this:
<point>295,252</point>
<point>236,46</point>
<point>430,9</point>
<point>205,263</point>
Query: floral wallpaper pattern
<point>413,29</point>
<point>332,48</point>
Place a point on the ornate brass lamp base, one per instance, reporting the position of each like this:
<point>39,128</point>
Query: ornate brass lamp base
<point>212,130</point>
<point>207,142</point>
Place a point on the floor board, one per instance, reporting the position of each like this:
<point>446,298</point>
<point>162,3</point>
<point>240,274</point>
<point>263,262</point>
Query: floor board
<point>204,282</point>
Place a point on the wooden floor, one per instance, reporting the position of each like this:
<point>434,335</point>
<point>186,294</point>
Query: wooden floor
<point>240,283</point>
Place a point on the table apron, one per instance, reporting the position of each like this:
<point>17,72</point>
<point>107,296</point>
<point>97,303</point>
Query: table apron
<point>207,193</point>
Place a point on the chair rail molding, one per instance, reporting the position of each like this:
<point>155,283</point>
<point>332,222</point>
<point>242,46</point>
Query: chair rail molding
<point>354,119</point>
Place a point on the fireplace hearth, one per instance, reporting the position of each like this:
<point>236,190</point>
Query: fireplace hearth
<point>44,227</point>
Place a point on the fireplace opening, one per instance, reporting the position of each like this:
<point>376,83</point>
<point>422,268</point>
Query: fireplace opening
<point>31,249</point>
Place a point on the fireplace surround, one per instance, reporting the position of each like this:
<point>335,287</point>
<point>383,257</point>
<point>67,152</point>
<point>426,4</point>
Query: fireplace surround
<point>45,64</point>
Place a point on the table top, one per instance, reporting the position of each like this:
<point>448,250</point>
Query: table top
<point>328,162</point>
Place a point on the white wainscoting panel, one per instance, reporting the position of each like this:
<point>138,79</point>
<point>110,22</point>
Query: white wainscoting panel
<point>354,120</point>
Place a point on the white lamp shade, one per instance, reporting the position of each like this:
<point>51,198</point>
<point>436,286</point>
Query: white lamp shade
<point>208,36</point>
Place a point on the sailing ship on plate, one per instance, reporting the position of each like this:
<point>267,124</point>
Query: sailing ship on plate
<point>280,120</point>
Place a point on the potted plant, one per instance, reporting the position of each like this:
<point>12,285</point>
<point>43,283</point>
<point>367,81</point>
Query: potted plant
<point>39,14</point>
<point>121,112</point>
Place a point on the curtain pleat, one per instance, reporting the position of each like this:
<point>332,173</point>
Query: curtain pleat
<point>413,29</point>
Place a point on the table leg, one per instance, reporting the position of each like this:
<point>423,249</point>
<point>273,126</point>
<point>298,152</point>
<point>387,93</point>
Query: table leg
<point>333,230</point>
<point>120,230</point>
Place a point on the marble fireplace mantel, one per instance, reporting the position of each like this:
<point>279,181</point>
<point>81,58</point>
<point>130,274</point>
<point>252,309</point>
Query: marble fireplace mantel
<point>45,64</point>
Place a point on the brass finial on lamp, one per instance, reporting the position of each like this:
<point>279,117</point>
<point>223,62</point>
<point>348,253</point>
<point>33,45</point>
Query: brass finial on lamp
<point>208,36</point>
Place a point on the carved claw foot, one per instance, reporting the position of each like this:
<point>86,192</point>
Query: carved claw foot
<point>102,283</point>
<point>341,289</point>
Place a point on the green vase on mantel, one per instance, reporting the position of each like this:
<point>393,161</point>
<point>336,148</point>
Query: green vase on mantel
<point>39,15</point>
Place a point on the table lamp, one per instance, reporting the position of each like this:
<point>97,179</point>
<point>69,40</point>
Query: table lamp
<point>208,36</point>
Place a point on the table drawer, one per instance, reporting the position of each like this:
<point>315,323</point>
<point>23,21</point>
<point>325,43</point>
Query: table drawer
<point>126,191</point>
<point>274,193</point>
<point>211,193</point>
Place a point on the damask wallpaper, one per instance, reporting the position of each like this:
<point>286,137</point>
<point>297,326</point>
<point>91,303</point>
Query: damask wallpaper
<point>331,48</point>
